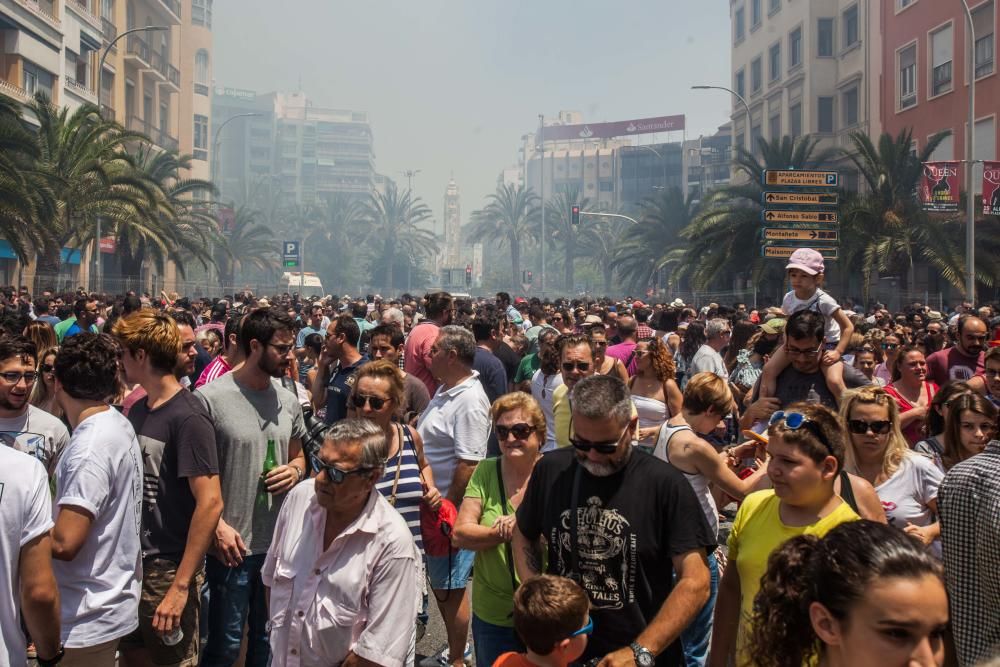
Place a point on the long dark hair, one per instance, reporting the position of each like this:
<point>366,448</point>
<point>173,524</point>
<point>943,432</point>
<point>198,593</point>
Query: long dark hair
<point>835,571</point>
<point>693,339</point>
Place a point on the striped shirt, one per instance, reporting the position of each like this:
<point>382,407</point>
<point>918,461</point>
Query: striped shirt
<point>410,490</point>
<point>213,371</point>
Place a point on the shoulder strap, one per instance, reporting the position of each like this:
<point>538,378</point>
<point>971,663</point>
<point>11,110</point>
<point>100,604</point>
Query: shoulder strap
<point>503,511</point>
<point>399,464</point>
<point>847,492</point>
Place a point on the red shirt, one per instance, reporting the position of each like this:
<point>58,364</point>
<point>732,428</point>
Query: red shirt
<point>945,366</point>
<point>513,660</point>
<point>418,353</point>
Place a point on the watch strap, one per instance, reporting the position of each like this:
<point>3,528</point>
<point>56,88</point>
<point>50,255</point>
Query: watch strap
<point>54,660</point>
<point>643,656</point>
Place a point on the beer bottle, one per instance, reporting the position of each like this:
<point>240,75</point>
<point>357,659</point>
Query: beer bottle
<point>263,500</point>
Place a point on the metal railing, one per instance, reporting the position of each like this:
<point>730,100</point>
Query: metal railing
<point>109,30</point>
<point>174,6</point>
<point>174,75</point>
<point>136,46</point>
<point>159,64</point>
<point>107,112</point>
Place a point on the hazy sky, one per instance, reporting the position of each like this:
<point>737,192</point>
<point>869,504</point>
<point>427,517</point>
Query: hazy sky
<point>451,86</point>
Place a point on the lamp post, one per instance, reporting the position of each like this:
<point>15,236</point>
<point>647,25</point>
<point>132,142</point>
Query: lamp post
<point>970,143</point>
<point>746,106</point>
<point>218,137</point>
<point>541,177</point>
<point>409,173</point>
<point>660,157</point>
<point>100,113</point>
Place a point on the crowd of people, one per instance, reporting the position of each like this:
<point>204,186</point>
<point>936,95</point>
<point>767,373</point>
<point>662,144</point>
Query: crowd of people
<point>290,481</point>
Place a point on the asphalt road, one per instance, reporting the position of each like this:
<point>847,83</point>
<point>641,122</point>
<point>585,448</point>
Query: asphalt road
<point>435,638</point>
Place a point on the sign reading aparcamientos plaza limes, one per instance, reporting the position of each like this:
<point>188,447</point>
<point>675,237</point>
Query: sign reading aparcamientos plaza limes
<point>793,218</point>
<point>807,179</point>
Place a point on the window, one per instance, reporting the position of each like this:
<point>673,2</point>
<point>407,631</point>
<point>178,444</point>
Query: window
<point>824,120</point>
<point>985,148</point>
<point>903,4</point>
<point>775,126</point>
<point>795,120</point>
<point>774,62</point>
<point>908,77</point>
<point>108,9</point>
<point>851,35</point>
<point>739,27</point>
<point>755,14</point>
<point>773,6</point>
<point>164,118</point>
<point>607,186</point>
<point>756,75</point>
<point>201,67</point>
<point>824,38</point>
<point>740,140</point>
<point>982,19</point>
<point>795,48</point>
<point>850,103</point>
<point>941,60</point>
<point>741,82</point>
<point>758,138</point>
<point>201,13</point>
<point>36,80</point>
<point>200,137</point>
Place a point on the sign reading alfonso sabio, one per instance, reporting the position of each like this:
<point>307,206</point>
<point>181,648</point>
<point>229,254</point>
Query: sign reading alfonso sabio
<point>991,188</point>
<point>940,186</point>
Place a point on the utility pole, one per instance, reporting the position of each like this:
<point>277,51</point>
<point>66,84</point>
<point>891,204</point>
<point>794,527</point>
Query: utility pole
<point>970,162</point>
<point>541,172</point>
<point>409,173</point>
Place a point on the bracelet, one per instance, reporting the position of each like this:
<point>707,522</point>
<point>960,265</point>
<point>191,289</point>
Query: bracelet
<point>51,662</point>
<point>299,472</point>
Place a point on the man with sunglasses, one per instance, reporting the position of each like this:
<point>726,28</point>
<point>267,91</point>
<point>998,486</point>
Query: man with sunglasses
<point>342,572</point>
<point>964,361</point>
<point>23,426</point>
<point>622,524</point>
<point>576,361</point>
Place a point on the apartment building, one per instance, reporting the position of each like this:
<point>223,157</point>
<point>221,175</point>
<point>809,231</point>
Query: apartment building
<point>805,67</point>
<point>925,47</point>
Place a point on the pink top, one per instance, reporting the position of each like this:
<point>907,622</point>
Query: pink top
<point>360,595</point>
<point>418,353</point>
<point>914,431</point>
<point>216,369</point>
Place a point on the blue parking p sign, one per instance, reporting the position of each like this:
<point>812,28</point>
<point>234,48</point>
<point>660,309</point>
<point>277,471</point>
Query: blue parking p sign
<point>290,254</point>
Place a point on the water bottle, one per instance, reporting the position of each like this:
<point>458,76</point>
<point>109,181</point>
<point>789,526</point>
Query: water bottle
<point>813,395</point>
<point>174,638</point>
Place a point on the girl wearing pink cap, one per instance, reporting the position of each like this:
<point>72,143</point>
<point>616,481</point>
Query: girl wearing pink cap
<point>805,273</point>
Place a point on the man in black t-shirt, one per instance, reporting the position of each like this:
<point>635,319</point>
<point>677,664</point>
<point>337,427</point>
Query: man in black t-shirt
<point>637,524</point>
<point>182,497</point>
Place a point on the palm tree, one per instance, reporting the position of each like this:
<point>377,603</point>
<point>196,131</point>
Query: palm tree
<point>885,228</point>
<point>188,229</point>
<point>599,241</point>
<point>724,237</point>
<point>562,232</point>
<point>393,220</point>
<point>656,242</point>
<point>25,202</point>
<point>84,162</point>
<point>250,243</point>
<point>508,218</point>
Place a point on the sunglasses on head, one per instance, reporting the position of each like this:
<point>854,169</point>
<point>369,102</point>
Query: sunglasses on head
<point>520,431</point>
<point>336,475</point>
<point>359,400</point>
<point>569,366</point>
<point>796,420</point>
<point>860,426</point>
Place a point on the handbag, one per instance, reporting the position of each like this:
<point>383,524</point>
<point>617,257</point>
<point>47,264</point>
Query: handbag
<point>436,527</point>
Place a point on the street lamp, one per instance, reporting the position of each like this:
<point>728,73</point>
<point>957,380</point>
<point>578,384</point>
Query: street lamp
<point>541,177</point>
<point>746,106</point>
<point>218,133</point>
<point>660,157</point>
<point>409,173</point>
<point>970,143</point>
<point>100,113</point>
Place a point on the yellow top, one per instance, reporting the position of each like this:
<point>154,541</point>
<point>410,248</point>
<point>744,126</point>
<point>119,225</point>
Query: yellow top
<point>562,413</point>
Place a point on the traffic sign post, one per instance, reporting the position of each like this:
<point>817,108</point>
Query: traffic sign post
<point>784,252</point>
<point>290,254</point>
<point>824,217</point>
<point>799,199</point>
<point>782,234</point>
<point>794,216</point>
<point>808,179</point>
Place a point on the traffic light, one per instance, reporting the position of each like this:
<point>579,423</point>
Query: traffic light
<point>468,275</point>
<point>529,277</point>
<point>575,213</point>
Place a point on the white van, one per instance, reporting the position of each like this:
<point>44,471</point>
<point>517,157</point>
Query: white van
<point>308,284</point>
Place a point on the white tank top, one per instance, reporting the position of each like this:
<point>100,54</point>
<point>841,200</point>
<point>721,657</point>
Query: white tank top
<point>698,482</point>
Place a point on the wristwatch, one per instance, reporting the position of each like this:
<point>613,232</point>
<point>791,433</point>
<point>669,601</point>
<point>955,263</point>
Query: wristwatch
<point>643,656</point>
<point>53,661</point>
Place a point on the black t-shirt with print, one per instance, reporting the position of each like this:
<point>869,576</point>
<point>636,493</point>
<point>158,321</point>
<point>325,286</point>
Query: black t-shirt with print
<point>177,441</point>
<point>630,525</point>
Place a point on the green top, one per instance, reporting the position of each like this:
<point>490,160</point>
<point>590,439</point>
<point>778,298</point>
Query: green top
<point>492,594</point>
<point>527,367</point>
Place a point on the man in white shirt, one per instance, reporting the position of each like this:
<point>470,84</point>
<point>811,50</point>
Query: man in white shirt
<point>23,426</point>
<point>454,428</point>
<point>95,541</point>
<point>27,585</point>
<point>708,357</point>
<point>341,570</point>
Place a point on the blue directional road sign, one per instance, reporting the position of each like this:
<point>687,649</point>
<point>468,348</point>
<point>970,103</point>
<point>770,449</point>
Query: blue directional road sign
<point>290,254</point>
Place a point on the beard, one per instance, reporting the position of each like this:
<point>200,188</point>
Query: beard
<point>275,370</point>
<point>17,403</point>
<point>606,469</point>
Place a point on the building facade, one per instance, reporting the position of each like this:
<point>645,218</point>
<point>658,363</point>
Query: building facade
<point>452,249</point>
<point>805,67</point>
<point>925,49</point>
<point>708,162</point>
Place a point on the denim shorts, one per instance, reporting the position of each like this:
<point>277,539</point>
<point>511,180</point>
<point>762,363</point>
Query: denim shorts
<point>450,572</point>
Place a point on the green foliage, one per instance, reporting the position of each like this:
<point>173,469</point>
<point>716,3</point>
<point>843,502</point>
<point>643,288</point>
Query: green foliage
<point>508,219</point>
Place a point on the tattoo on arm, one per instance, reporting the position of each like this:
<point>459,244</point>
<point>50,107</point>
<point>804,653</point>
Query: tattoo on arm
<point>533,556</point>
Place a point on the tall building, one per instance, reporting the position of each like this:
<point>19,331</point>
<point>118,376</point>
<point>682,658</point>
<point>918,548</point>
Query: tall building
<point>926,79</point>
<point>708,162</point>
<point>306,153</point>
<point>452,251</point>
<point>806,67</point>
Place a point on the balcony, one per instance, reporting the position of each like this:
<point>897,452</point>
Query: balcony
<point>166,141</point>
<point>82,9</point>
<point>136,124</point>
<point>81,90</point>
<point>107,112</point>
<point>109,31</point>
<point>159,64</point>
<point>136,48</point>
<point>12,91</point>
<point>44,10</point>
<point>174,76</point>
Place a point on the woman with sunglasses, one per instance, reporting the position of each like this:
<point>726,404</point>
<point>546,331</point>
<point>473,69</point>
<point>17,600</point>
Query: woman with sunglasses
<point>906,483</point>
<point>486,522</point>
<point>970,423</point>
<point>912,391</point>
<point>603,364</point>
<point>43,392</point>
<point>890,351</point>
<point>654,389</point>
<point>806,449</point>
<point>865,595</point>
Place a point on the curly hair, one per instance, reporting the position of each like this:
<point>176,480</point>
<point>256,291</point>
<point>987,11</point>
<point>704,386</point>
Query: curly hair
<point>664,367</point>
<point>87,366</point>
<point>837,572</point>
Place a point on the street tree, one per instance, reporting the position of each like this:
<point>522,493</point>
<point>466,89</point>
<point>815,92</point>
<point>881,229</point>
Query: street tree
<point>508,219</point>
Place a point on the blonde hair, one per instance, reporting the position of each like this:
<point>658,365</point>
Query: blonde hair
<point>518,400</point>
<point>154,333</point>
<point>896,449</point>
<point>385,370</point>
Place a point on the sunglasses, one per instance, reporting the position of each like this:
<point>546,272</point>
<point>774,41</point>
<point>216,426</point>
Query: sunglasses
<point>47,368</point>
<point>520,431</point>
<point>336,475</point>
<point>569,366</point>
<point>585,630</point>
<point>796,420</point>
<point>860,426</point>
<point>889,346</point>
<point>609,447</point>
<point>359,400</point>
<point>14,377</point>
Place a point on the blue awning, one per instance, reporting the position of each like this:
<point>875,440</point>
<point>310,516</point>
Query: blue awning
<point>68,255</point>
